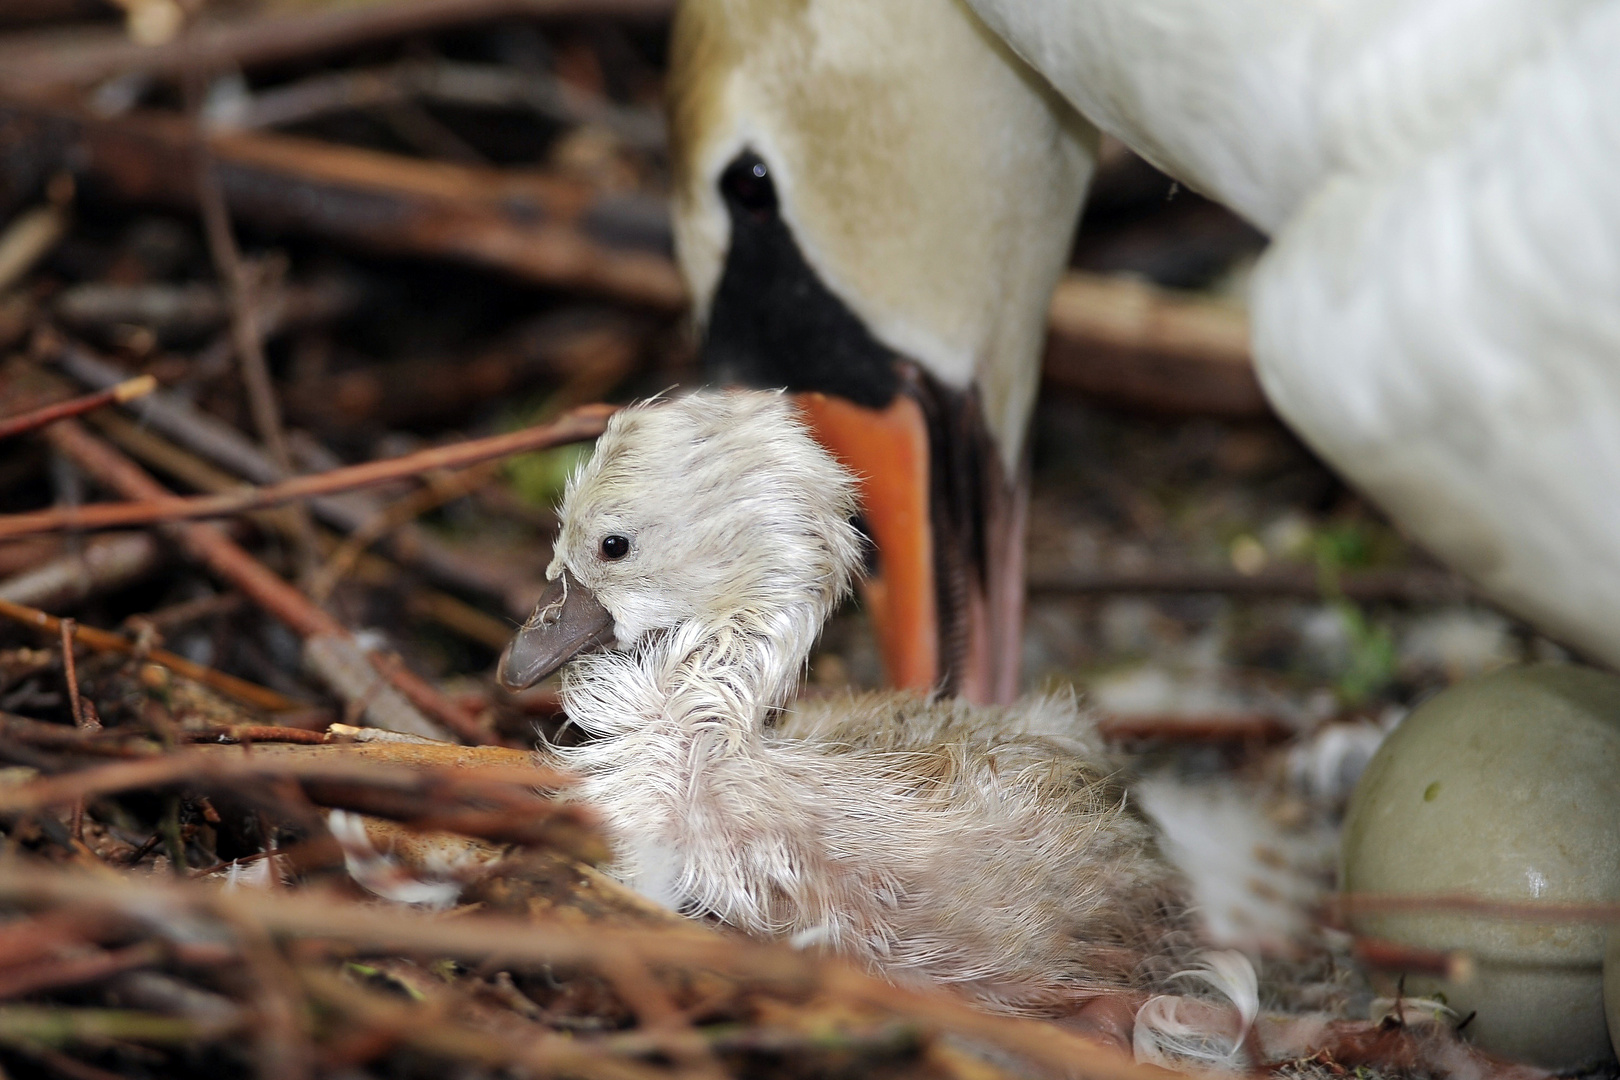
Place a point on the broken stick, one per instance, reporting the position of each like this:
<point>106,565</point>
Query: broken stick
<point>539,227</point>
<point>128,390</point>
<point>105,641</point>
<point>390,696</point>
<point>585,422</point>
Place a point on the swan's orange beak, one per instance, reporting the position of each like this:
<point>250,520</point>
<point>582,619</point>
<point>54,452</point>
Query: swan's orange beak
<point>946,597</point>
<point>887,450</point>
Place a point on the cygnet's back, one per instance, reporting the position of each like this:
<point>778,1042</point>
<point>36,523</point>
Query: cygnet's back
<point>1048,886</point>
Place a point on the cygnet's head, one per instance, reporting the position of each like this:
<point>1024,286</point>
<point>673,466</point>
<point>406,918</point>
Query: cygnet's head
<point>717,507</point>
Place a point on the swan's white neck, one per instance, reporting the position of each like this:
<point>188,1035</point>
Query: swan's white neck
<point>1256,102</point>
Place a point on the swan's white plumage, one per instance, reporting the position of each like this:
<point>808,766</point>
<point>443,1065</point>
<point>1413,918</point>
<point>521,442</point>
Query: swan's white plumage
<point>1437,315</point>
<point>1447,333</point>
<point>990,849</point>
<point>1259,102</point>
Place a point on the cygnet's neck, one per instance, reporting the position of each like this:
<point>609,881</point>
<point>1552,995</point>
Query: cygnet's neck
<point>717,676</point>
<point>677,721</point>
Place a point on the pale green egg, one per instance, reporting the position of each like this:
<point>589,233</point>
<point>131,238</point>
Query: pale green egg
<point>1503,788</point>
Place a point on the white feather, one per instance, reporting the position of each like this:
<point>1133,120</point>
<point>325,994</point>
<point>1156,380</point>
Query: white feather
<point>1171,1031</point>
<point>381,875</point>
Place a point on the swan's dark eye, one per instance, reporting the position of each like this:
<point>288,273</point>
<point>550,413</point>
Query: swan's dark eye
<point>747,184</point>
<point>615,546</point>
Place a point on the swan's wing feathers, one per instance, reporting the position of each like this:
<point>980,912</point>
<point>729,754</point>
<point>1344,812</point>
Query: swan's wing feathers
<point>1448,335</point>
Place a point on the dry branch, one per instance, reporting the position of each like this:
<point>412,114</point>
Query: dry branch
<point>1378,955</point>
<point>189,311</point>
<point>128,390</point>
<point>102,564</point>
<point>220,443</point>
<point>1405,586</point>
<point>582,423</point>
<point>442,608</point>
<point>28,239</point>
<point>357,677</point>
<point>474,937</point>
<point>494,802</point>
<point>1250,729</point>
<point>545,229</point>
<point>1483,907</point>
<point>410,390</point>
<point>1139,345</point>
<point>73,971</point>
<point>103,641</point>
<point>32,61</point>
<point>247,335</point>
<point>482,86</point>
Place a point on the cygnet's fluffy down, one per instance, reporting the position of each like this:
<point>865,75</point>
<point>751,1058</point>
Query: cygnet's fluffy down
<point>708,539</point>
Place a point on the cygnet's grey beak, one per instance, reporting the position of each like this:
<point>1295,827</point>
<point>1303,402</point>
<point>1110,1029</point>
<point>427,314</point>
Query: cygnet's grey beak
<point>567,621</point>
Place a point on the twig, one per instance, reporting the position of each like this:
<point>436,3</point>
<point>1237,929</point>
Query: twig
<point>189,611</point>
<point>543,1052</point>
<point>440,491</point>
<point>76,970</point>
<point>255,733</point>
<point>244,324</point>
<point>1381,955</point>
<point>543,941</point>
<point>103,641</point>
<point>1411,586</point>
<point>487,86</point>
<point>579,424</point>
<point>103,563</point>
<point>80,720</point>
<point>450,799</point>
<point>1463,904</point>
<point>449,611</point>
<point>196,309</point>
<point>21,556</point>
<point>328,645</point>
<point>246,332</point>
<point>544,228</point>
<point>114,743</point>
<point>1258,729</point>
<point>71,674</point>
<point>31,62</point>
<point>458,615</point>
<point>391,931</point>
<point>128,390</point>
<point>284,1049</point>
<point>1142,346</point>
<point>29,238</point>
<point>218,442</point>
<point>612,360</point>
<point>158,453</point>
<point>406,392</point>
<point>54,1024</point>
<point>657,1014</point>
<point>24,941</point>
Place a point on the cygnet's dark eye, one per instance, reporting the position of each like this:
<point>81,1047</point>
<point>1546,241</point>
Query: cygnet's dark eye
<point>615,546</point>
<point>746,183</point>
